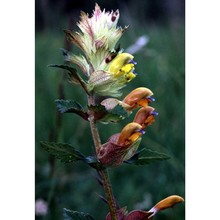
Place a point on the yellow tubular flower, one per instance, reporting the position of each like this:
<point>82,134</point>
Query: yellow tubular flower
<point>145,116</point>
<point>109,82</point>
<point>166,203</point>
<point>122,66</point>
<point>149,215</point>
<point>119,61</point>
<point>138,97</point>
<point>130,133</point>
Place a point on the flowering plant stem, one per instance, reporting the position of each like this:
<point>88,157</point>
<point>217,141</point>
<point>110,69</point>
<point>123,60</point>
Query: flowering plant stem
<point>106,71</point>
<point>103,171</point>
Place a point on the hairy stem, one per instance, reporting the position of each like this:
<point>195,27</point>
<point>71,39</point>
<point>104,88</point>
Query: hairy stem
<point>104,173</point>
<point>109,194</point>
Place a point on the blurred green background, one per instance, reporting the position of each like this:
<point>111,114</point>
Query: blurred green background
<point>160,67</point>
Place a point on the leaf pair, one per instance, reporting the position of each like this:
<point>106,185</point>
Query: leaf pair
<point>101,114</point>
<point>66,153</point>
<point>74,77</point>
<point>146,156</point>
<point>71,106</point>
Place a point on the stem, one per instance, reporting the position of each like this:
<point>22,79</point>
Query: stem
<point>95,133</point>
<point>109,194</point>
<point>103,172</point>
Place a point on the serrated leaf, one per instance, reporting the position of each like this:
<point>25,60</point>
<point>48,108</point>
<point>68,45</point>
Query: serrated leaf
<point>147,156</point>
<point>66,67</point>
<point>71,106</point>
<point>74,77</point>
<point>74,215</point>
<point>93,162</point>
<point>114,115</point>
<point>99,111</point>
<point>119,111</point>
<point>109,116</point>
<point>66,153</point>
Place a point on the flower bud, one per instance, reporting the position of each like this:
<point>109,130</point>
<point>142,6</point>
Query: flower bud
<point>166,203</point>
<point>97,37</point>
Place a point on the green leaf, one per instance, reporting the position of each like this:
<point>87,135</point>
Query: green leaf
<point>74,77</point>
<point>109,116</point>
<point>74,215</point>
<point>66,153</point>
<point>66,67</point>
<point>71,106</point>
<point>147,156</point>
<point>93,162</point>
<point>118,113</point>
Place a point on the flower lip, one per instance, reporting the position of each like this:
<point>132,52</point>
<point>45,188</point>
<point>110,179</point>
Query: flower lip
<point>141,131</point>
<point>154,113</point>
<point>134,73</point>
<point>129,133</point>
<point>133,62</point>
<point>150,98</point>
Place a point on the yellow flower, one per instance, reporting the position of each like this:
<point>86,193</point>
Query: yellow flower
<point>145,116</point>
<point>130,133</point>
<point>166,203</point>
<point>122,146</point>
<point>122,66</point>
<point>139,97</point>
<point>110,82</point>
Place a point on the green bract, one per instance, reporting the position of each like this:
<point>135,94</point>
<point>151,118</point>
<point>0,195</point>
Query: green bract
<point>107,69</point>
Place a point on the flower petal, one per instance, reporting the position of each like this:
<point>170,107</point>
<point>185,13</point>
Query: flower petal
<point>129,133</point>
<point>166,203</point>
<point>145,116</point>
<point>119,61</point>
<point>138,97</point>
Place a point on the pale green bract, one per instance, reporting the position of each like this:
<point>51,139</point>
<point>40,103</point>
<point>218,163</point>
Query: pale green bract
<point>108,70</point>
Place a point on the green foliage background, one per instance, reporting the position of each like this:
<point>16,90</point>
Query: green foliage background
<point>160,68</point>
